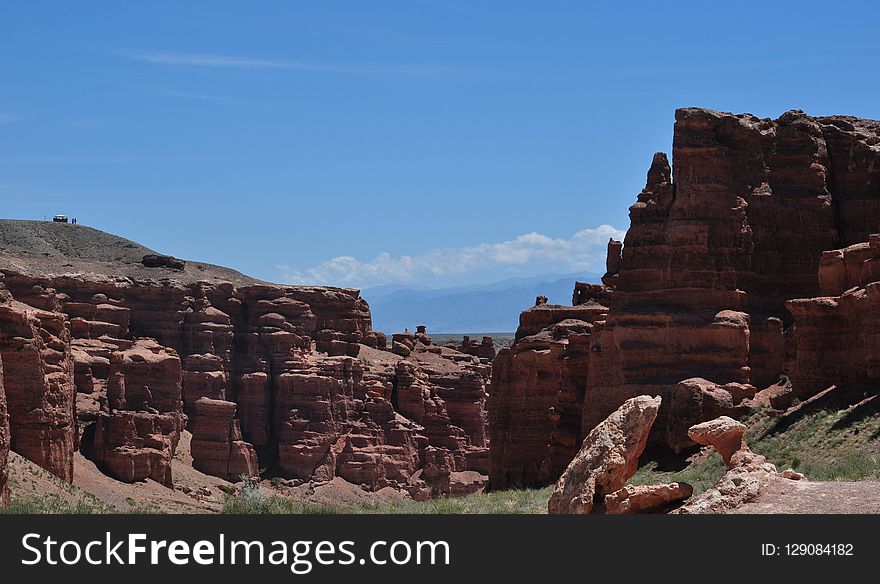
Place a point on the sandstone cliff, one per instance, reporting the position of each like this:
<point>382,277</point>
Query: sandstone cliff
<point>289,379</point>
<point>835,339</point>
<point>4,444</point>
<point>698,313</point>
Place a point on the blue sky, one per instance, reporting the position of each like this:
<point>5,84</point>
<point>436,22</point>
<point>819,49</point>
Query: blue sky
<point>365,143</point>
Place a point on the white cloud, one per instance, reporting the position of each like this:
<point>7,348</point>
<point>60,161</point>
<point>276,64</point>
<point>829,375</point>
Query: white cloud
<point>189,95</point>
<point>214,60</point>
<point>585,250</point>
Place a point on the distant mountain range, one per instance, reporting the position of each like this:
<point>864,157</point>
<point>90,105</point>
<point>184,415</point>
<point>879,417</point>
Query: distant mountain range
<point>484,308</point>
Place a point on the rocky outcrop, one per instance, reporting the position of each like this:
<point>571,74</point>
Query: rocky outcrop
<point>644,499</point>
<point>38,379</point>
<point>748,473</point>
<point>723,434</point>
<point>136,436</point>
<point>607,459</point>
<point>288,379</point>
<point>717,246</point>
<point>485,349</point>
<point>152,260</point>
<point>4,444</point>
<point>217,446</point>
<point>538,387</point>
<point>697,399</point>
<point>835,339</point>
<point>700,309</point>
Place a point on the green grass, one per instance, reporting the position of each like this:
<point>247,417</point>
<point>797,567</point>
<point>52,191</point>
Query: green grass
<point>65,500</point>
<point>51,504</point>
<point>526,501</point>
<point>826,444</point>
<point>835,439</point>
<point>701,475</point>
<point>31,497</point>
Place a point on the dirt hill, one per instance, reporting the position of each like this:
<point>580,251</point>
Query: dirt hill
<point>48,248</point>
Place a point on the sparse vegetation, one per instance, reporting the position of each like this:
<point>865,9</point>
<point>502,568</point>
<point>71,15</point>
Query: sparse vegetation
<point>832,439</point>
<point>250,500</point>
<point>63,499</point>
<point>826,440</point>
<point>700,474</point>
<point>825,443</point>
<point>50,504</point>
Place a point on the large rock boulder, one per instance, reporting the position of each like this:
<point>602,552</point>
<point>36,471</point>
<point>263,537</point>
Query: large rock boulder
<point>748,473</point>
<point>696,400</point>
<point>152,260</point>
<point>724,434</point>
<point>608,457</point>
<point>633,499</point>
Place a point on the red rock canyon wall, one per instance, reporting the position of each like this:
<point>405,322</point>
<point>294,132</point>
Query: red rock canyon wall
<point>698,311</point>
<point>290,378</point>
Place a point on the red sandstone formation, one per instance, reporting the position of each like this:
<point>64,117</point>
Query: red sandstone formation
<point>698,311</point>
<point>485,349</point>
<point>537,393</point>
<point>38,379</point>
<point>836,337</point>
<point>748,473</point>
<point>595,481</point>
<point>136,436</point>
<point>631,499</point>
<point>724,434</point>
<point>217,446</point>
<point>4,443</point>
<point>607,459</point>
<point>751,258</point>
<point>292,376</point>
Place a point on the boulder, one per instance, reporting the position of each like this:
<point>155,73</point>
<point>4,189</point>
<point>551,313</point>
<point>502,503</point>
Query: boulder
<point>647,498</point>
<point>724,434</point>
<point>696,400</point>
<point>748,473</point>
<point>607,459</point>
<point>152,260</point>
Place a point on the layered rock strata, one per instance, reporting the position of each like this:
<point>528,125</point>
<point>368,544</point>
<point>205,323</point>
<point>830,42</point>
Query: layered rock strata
<point>697,297</point>
<point>288,379</point>
<point>38,379</point>
<point>835,339</point>
<point>217,445</point>
<point>4,444</point>
<point>538,387</point>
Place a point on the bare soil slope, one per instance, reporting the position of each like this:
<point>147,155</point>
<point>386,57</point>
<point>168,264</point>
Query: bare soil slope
<point>46,248</point>
<point>807,497</point>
